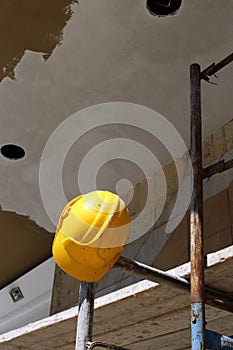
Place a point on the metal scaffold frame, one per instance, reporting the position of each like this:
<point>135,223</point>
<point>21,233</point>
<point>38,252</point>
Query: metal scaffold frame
<point>200,294</point>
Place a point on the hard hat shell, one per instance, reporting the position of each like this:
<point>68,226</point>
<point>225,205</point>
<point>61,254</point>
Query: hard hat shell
<point>91,235</point>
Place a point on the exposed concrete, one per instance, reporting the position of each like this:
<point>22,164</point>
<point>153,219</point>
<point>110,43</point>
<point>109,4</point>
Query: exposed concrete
<point>217,193</point>
<point>218,231</point>
<point>218,144</point>
<point>65,291</point>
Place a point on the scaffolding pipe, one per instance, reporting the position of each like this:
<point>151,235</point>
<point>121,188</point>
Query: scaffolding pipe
<point>214,297</point>
<point>216,341</point>
<point>215,67</point>
<point>196,214</point>
<point>150,273</point>
<point>85,316</point>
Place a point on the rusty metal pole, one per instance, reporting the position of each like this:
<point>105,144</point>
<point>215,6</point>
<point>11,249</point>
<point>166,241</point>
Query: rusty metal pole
<point>85,315</point>
<point>196,215</point>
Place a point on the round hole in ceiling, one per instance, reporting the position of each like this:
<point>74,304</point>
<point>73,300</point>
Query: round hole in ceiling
<point>163,8</point>
<point>12,151</point>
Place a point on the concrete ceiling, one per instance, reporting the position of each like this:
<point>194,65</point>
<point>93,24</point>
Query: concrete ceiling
<point>61,56</point>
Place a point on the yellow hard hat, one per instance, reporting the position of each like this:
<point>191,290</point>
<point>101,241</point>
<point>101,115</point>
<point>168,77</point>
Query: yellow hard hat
<point>91,235</point>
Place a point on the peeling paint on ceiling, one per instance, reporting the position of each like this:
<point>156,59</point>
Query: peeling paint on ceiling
<point>36,26</point>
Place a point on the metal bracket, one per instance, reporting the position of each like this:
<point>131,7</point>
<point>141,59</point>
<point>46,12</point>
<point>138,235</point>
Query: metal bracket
<point>216,341</point>
<point>215,67</point>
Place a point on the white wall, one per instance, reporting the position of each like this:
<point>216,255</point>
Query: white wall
<point>36,287</point>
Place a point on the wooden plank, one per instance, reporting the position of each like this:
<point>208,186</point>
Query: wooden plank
<point>70,346</point>
<point>9,347</point>
<point>36,332</point>
<point>175,341</point>
<point>55,342</point>
<point>131,316</point>
<point>181,339</point>
<point>175,320</point>
<point>217,275</point>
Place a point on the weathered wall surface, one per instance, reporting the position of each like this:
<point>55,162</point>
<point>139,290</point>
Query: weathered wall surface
<point>218,206</point>
<point>166,250</point>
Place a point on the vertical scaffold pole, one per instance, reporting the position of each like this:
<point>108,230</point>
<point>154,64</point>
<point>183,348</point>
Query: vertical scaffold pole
<point>196,215</point>
<point>85,315</point>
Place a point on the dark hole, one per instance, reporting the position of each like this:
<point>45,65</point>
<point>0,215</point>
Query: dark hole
<point>11,151</point>
<point>163,7</point>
